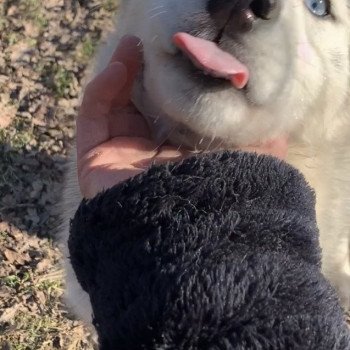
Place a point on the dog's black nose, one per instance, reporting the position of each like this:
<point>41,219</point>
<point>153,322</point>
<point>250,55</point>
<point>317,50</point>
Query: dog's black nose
<point>240,15</point>
<point>241,21</point>
<point>266,9</point>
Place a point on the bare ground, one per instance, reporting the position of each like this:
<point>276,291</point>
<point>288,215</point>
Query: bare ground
<point>44,50</point>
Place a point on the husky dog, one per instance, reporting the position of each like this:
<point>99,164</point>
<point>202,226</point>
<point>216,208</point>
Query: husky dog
<point>228,73</point>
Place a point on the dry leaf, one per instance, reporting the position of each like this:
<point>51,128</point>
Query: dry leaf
<point>8,110</point>
<point>9,313</point>
<point>43,265</point>
<point>14,257</point>
<point>41,297</point>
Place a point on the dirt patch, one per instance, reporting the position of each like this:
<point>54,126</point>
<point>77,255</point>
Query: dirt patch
<point>44,50</point>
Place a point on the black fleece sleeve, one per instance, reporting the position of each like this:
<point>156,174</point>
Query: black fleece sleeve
<point>217,252</point>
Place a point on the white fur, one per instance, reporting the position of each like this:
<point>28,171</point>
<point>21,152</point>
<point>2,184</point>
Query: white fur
<point>299,86</point>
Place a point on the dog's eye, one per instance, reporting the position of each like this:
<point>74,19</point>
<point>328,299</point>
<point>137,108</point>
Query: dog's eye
<point>319,8</point>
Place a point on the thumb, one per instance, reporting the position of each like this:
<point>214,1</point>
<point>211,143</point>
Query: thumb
<point>129,53</point>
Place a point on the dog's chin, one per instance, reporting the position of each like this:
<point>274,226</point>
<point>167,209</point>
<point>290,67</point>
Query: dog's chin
<point>214,115</point>
<point>214,124</point>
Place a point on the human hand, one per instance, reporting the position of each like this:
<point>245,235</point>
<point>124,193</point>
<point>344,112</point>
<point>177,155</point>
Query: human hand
<point>277,147</point>
<point>113,139</point>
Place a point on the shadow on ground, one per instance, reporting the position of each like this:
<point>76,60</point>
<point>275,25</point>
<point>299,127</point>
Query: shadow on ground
<point>30,187</point>
<point>44,51</point>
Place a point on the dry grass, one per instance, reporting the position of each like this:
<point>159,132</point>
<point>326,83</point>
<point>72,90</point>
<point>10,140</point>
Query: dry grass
<point>44,50</point>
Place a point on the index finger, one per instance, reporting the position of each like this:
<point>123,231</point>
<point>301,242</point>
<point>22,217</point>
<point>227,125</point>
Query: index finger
<point>132,59</point>
<point>110,88</point>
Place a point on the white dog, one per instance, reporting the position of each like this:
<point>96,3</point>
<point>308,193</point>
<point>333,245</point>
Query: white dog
<point>223,73</point>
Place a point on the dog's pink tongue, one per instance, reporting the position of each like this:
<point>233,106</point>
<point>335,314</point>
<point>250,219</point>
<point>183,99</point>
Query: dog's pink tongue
<point>208,57</point>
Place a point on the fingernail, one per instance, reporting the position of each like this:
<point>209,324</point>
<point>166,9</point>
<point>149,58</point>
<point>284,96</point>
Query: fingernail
<point>131,40</point>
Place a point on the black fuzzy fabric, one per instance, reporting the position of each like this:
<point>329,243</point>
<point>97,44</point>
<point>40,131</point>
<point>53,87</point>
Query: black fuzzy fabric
<point>218,252</point>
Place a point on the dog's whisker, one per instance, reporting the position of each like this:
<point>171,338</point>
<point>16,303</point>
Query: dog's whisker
<point>155,8</point>
<point>157,14</point>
